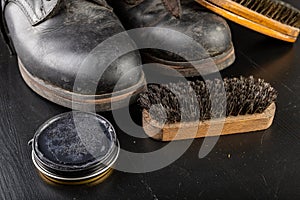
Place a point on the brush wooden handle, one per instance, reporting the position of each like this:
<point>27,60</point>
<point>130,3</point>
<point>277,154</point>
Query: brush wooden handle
<point>251,19</point>
<point>189,130</point>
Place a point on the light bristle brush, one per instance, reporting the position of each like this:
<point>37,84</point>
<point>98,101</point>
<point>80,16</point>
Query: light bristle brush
<point>270,17</point>
<point>250,106</point>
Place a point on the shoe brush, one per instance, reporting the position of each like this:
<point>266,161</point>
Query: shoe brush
<point>250,106</point>
<point>270,17</point>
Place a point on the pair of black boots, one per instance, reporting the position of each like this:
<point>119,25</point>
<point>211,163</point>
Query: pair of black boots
<point>53,38</point>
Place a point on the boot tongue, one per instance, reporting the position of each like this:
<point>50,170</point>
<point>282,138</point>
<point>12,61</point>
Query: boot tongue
<point>39,10</point>
<point>102,3</point>
<point>36,11</point>
<point>174,7</point>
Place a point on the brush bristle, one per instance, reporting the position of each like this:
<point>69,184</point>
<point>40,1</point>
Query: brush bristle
<point>190,101</point>
<point>273,9</point>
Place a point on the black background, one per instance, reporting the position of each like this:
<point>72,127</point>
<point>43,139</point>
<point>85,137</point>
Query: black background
<point>261,165</point>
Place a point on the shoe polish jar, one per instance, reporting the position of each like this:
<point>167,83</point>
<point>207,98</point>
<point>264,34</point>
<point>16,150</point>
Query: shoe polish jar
<point>75,148</point>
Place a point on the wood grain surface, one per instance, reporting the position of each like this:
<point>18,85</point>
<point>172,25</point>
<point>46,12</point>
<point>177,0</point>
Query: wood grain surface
<point>263,165</point>
<point>251,19</point>
<point>215,127</point>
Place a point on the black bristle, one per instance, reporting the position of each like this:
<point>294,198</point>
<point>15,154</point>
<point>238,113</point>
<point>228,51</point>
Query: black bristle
<point>274,9</point>
<point>190,101</point>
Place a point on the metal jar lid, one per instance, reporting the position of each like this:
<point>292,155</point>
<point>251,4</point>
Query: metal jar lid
<point>75,147</point>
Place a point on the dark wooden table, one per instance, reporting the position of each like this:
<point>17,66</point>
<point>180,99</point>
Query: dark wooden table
<point>261,165</point>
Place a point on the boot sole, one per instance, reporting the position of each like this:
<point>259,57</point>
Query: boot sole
<point>83,102</point>
<point>205,66</point>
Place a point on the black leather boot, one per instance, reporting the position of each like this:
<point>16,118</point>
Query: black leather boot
<point>52,38</point>
<point>207,29</point>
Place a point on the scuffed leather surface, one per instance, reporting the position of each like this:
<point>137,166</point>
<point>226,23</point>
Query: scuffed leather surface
<point>208,29</point>
<point>54,49</point>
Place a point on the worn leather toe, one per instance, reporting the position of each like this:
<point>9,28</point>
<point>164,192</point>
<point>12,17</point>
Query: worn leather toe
<point>210,31</point>
<point>54,42</point>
